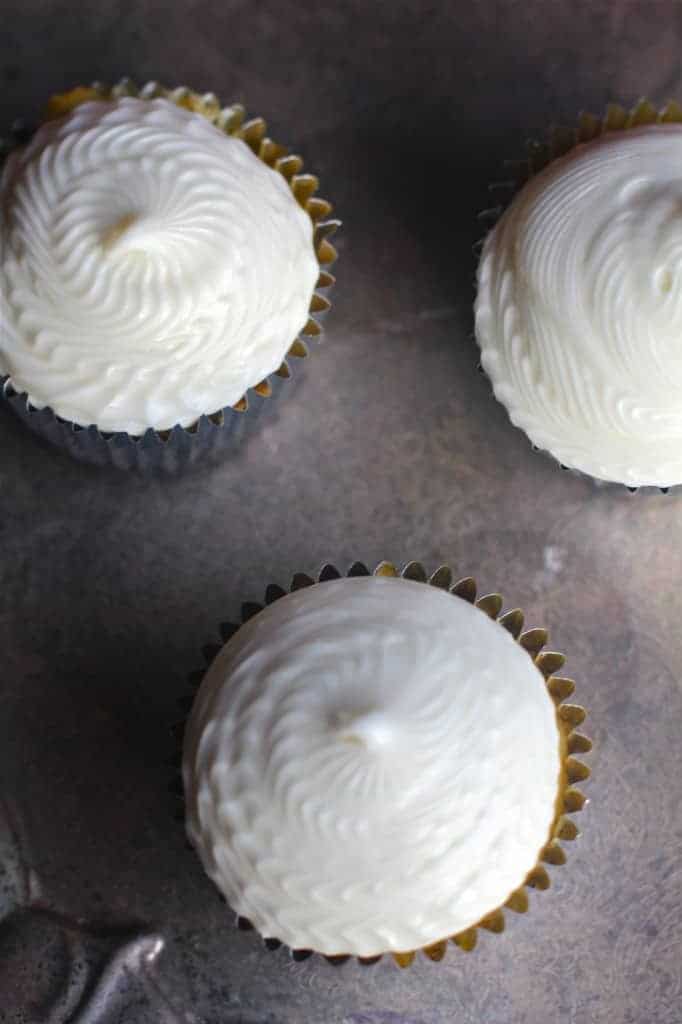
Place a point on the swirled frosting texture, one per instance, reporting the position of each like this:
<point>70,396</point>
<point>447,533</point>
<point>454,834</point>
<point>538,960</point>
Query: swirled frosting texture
<point>579,308</point>
<point>370,765</point>
<point>152,268</point>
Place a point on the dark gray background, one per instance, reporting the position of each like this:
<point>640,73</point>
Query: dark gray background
<point>388,445</point>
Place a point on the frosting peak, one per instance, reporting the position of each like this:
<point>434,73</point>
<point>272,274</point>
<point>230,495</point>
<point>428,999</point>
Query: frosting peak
<point>152,268</point>
<point>369,729</point>
<point>133,234</point>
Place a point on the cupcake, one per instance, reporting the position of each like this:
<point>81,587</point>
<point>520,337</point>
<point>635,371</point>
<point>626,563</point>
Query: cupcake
<point>158,260</point>
<point>579,304</point>
<point>373,765</point>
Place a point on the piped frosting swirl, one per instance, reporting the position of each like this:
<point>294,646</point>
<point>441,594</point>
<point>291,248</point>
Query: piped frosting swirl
<point>579,307</point>
<point>371,764</point>
<point>152,268</point>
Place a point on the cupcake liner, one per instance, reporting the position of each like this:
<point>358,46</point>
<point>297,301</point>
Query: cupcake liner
<point>560,140</point>
<point>170,450</point>
<point>569,717</point>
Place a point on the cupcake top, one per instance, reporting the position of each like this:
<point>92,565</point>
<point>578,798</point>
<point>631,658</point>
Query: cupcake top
<point>371,765</point>
<point>152,268</point>
<point>579,308</point>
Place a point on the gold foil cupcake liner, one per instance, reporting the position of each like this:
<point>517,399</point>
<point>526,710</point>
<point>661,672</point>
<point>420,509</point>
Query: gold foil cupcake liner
<point>560,140</point>
<point>171,449</point>
<point>569,716</point>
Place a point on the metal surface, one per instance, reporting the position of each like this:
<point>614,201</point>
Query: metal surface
<point>388,445</point>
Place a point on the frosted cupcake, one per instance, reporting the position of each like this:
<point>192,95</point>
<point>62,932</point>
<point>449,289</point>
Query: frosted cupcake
<point>158,259</point>
<point>375,766</point>
<point>579,306</point>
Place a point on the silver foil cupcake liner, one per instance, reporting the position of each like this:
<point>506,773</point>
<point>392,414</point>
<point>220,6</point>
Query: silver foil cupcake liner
<point>216,431</point>
<point>164,451</point>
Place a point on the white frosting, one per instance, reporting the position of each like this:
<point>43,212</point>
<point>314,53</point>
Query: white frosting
<point>151,267</point>
<point>371,764</point>
<point>579,309</point>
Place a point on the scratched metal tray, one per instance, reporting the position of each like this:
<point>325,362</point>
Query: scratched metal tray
<point>387,446</point>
